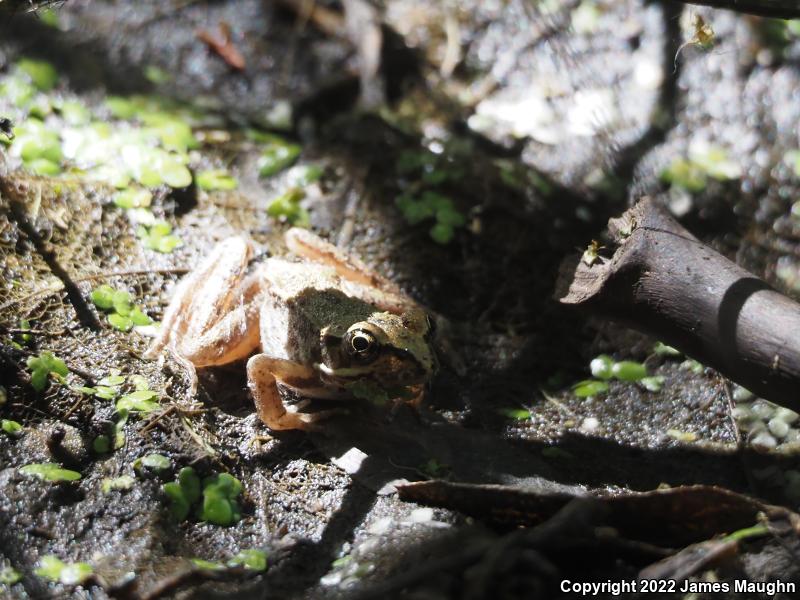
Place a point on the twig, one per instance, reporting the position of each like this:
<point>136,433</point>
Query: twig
<point>664,281</point>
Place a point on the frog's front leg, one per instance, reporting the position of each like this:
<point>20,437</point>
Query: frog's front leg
<point>263,375</point>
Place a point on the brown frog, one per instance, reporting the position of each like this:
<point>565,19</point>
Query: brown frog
<point>326,325</point>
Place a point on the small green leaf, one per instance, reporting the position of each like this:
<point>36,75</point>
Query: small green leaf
<point>133,198</point>
<point>276,157</point>
<point>122,108</point>
<point>157,462</point>
<point>105,392</point>
<point>662,349</point>
<point>44,167</point>
<point>217,510</point>
<point>217,179</point>
<point>519,414</point>
<point>123,482</point>
<point>207,565</point>
<point>120,322</point>
<point>589,387</point>
<point>287,206</point>
<point>139,382</point>
<point>441,233</point>
<point>50,472</point>
<point>9,576</point>
<point>103,297</point>
<point>602,366</point>
<point>219,500</point>
<point>156,75</point>
<point>190,484</point>
<point>628,370</point>
<point>52,568</point>
<point>101,444</point>
<point>112,380</point>
<point>139,401</point>
<point>42,366</point>
<point>12,428</point>
<point>253,559</point>
<point>303,175</point>
<point>42,74</point>
<point>179,504</point>
<point>653,383</point>
<point>139,318</point>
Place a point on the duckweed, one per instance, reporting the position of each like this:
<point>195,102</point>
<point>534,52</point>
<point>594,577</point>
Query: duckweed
<point>9,576</point>
<point>182,493</point>
<point>208,565</point>
<point>589,388</point>
<point>53,568</point>
<point>253,559</point>
<point>41,73</point>
<point>520,414</point>
<point>432,205</point>
<point>277,155</point>
<point>287,207</point>
<point>219,500</point>
<point>705,162</point>
<point>216,180</point>
<point>156,462</point>
<point>159,237</point>
<point>628,370</point>
<point>123,482</point>
<point>142,401</point>
<point>604,368</point>
<point>122,314</point>
<point>51,472</point>
<point>133,198</point>
<point>12,428</point>
<point>43,366</point>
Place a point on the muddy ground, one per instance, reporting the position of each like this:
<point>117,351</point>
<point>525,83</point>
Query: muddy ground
<point>538,124</point>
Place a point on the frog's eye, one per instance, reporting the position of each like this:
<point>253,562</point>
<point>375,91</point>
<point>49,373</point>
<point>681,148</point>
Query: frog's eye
<point>361,344</point>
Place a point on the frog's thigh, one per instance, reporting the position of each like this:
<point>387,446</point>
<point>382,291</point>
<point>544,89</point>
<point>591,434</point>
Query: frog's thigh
<point>235,336</point>
<point>263,374</point>
<point>204,293</point>
<point>308,245</point>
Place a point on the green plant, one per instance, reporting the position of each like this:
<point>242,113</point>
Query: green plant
<point>287,206</point>
<point>9,576</point>
<point>159,237</point>
<point>43,366</point>
<point>219,499</point>
<point>216,179</point>
<point>118,305</point>
<point>53,568</point>
<point>50,472</point>
<point>11,428</point>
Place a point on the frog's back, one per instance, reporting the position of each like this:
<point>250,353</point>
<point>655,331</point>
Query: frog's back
<point>301,300</point>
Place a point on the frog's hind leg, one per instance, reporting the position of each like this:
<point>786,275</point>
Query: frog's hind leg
<point>309,245</point>
<point>212,317</point>
<point>369,285</point>
<point>264,374</point>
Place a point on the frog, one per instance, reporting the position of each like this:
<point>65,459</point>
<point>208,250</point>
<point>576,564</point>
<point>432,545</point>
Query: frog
<point>322,324</point>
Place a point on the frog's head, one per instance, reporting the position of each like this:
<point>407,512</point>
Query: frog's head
<point>391,350</point>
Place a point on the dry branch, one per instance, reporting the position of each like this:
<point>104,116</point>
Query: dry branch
<point>663,281</point>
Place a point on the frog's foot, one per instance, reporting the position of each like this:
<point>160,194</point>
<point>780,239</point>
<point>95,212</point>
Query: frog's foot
<point>264,374</point>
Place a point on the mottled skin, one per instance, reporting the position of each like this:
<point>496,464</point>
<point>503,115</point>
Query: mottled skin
<point>323,324</point>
